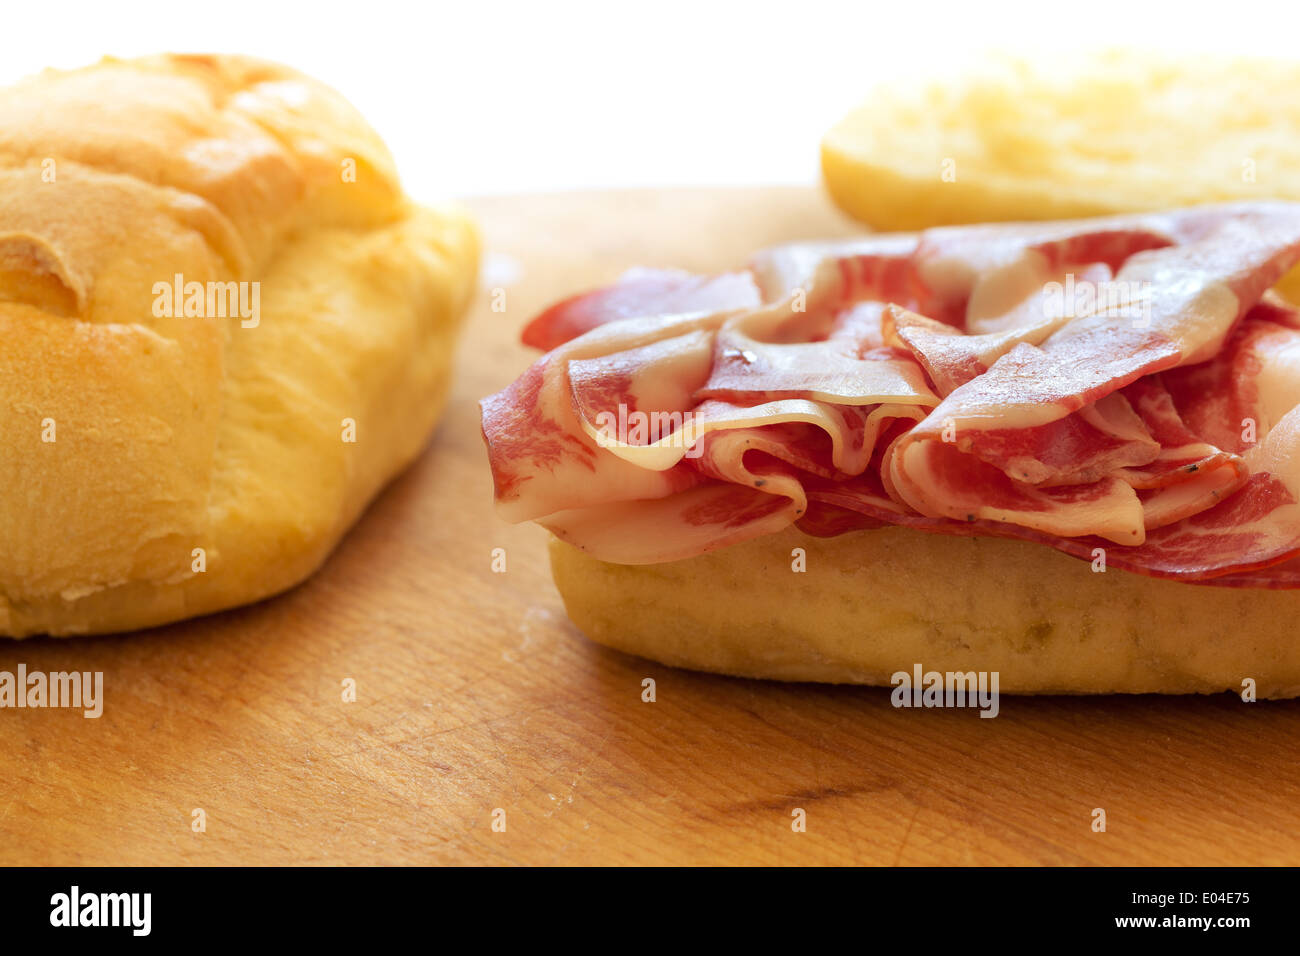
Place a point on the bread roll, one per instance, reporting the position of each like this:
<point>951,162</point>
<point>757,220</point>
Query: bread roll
<point>157,465</point>
<point>870,604</point>
<point>1054,141</point>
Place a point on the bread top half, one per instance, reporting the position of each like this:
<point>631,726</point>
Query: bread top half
<point>194,164</point>
<point>170,432</point>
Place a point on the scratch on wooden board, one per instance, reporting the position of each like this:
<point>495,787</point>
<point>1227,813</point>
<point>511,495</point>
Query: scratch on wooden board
<point>582,772</point>
<point>596,753</point>
<point>906,833</point>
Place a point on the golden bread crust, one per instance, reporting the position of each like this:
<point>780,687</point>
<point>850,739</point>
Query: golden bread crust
<point>174,433</point>
<point>1045,140</point>
<point>872,603</point>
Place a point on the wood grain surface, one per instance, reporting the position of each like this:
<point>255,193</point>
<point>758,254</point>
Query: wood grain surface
<point>475,693</point>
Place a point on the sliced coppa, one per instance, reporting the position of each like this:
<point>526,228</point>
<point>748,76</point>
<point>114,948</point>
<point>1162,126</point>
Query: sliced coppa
<point>927,380</point>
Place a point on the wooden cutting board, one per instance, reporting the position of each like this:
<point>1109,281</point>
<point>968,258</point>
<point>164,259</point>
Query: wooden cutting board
<point>474,693</point>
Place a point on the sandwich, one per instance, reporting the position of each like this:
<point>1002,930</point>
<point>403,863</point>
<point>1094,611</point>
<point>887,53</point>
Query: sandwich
<point>1066,452</point>
<point>226,329</point>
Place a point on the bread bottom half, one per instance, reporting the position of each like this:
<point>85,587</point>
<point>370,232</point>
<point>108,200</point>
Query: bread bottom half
<point>872,603</point>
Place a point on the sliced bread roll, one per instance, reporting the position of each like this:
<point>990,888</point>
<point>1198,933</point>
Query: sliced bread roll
<point>864,606</point>
<point>1019,141</point>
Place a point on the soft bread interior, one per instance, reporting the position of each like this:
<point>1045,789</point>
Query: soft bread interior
<point>1047,140</point>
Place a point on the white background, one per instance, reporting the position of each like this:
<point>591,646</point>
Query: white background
<point>510,97</point>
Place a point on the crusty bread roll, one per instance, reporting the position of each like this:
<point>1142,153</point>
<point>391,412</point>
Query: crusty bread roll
<point>874,603</point>
<point>1056,140</point>
<point>155,466</point>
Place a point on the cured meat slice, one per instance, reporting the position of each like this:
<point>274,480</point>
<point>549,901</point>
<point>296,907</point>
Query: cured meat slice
<point>638,294</point>
<point>1125,386</point>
